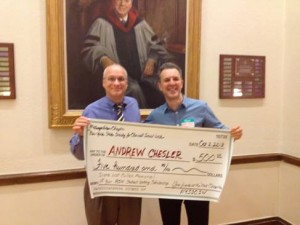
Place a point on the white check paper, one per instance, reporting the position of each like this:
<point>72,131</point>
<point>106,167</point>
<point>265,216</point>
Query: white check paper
<point>155,161</point>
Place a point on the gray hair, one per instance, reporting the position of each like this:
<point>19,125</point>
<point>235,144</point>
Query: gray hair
<point>115,65</point>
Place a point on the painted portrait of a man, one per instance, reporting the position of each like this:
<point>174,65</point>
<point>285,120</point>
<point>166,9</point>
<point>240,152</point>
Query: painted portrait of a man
<point>140,35</point>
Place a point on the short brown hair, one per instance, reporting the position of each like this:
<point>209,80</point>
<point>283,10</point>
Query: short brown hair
<point>170,65</point>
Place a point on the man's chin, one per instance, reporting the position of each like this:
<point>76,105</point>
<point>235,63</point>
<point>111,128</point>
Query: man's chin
<point>173,95</point>
<point>118,93</point>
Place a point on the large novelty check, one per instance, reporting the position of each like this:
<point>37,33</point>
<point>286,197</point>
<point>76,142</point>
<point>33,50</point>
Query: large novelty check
<point>143,160</point>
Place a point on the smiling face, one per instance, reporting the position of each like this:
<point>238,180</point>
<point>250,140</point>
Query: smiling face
<point>122,7</point>
<point>115,82</point>
<point>171,84</point>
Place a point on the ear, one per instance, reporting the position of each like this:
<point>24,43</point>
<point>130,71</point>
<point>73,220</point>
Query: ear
<point>103,85</point>
<point>126,85</point>
<point>159,85</point>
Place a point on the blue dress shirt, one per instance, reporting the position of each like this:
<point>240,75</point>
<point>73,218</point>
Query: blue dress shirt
<point>191,110</point>
<point>104,109</point>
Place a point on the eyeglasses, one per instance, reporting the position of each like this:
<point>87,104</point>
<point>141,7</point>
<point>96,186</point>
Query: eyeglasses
<point>113,79</point>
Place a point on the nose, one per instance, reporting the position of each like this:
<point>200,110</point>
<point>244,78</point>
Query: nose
<point>116,81</point>
<point>172,81</point>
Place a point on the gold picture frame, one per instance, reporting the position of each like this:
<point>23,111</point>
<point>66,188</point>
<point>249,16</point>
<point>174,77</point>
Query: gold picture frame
<point>59,115</point>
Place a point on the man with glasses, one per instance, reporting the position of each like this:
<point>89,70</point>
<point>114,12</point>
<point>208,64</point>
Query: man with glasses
<point>108,210</point>
<point>121,36</point>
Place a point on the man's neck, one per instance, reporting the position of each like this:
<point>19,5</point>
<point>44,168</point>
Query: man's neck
<point>175,103</point>
<point>125,18</point>
<point>116,100</point>
<point>122,17</point>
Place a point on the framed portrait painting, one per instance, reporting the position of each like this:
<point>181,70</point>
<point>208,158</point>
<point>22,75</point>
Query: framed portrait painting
<point>77,53</point>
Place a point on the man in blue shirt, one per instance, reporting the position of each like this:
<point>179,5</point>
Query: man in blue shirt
<point>180,110</point>
<point>108,210</point>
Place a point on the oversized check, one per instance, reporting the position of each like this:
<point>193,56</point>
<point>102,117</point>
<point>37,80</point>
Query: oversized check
<point>155,161</point>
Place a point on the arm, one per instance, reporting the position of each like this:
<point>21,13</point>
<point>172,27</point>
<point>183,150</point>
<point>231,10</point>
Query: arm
<point>150,49</point>
<point>149,67</point>
<point>99,48</point>
<point>76,142</point>
<point>211,120</point>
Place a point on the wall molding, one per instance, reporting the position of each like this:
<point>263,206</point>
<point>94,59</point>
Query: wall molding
<point>49,176</point>
<point>265,221</point>
<point>245,159</point>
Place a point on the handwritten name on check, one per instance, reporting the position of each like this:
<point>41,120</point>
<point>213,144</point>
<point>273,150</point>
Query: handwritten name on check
<point>155,161</point>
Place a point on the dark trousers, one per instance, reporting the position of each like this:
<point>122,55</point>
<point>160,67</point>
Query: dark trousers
<point>111,210</point>
<point>197,211</point>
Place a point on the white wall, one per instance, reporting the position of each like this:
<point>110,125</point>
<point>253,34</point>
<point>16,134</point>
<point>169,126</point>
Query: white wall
<point>290,118</point>
<point>248,27</point>
<point>54,203</point>
<point>254,27</point>
<point>289,193</point>
<point>251,192</point>
<point>26,142</point>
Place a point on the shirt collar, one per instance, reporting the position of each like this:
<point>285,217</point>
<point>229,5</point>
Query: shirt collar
<point>124,18</point>
<point>111,103</point>
<point>183,105</point>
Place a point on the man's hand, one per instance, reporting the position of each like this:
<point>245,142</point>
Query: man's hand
<point>106,61</point>
<point>149,67</point>
<point>79,125</point>
<point>236,132</point>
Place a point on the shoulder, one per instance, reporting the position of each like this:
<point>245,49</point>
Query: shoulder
<point>132,110</point>
<point>189,102</point>
<point>159,110</point>
<point>100,103</point>
<point>143,26</point>
<point>130,101</point>
<point>157,115</point>
<point>139,20</point>
<point>100,22</point>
